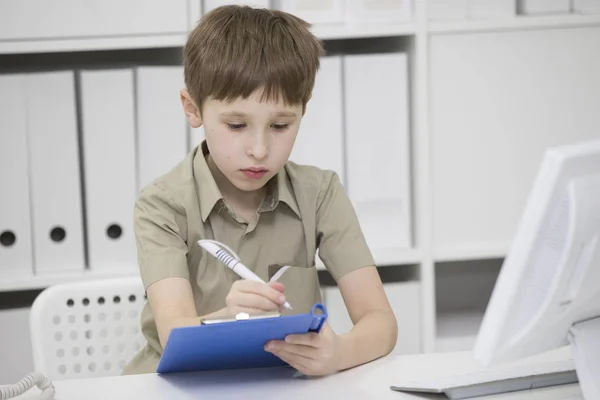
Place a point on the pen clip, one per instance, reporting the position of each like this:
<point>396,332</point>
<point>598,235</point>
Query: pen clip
<point>280,271</point>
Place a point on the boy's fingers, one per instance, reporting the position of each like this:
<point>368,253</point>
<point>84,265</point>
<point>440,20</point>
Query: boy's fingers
<point>299,350</point>
<point>254,301</point>
<point>307,339</point>
<point>297,362</point>
<point>239,299</point>
<point>263,290</point>
<point>277,286</point>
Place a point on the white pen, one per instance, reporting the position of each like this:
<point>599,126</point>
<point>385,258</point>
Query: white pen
<point>232,263</point>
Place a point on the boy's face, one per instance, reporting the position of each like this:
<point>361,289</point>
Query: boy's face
<point>249,140</point>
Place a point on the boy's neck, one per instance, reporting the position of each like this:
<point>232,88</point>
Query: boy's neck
<point>240,200</point>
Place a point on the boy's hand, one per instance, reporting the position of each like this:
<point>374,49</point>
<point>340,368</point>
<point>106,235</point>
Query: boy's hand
<point>310,353</point>
<point>254,297</point>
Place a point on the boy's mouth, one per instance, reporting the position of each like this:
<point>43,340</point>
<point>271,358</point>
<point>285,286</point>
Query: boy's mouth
<point>254,172</point>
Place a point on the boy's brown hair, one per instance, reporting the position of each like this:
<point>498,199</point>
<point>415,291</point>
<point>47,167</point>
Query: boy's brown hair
<point>235,50</point>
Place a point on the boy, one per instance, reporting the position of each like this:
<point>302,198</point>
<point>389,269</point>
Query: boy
<point>249,74</point>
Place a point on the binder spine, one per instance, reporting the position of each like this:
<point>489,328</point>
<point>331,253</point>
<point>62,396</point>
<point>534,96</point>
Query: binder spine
<point>318,319</point>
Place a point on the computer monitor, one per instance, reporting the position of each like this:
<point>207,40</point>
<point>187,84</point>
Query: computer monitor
<point>548,292</point>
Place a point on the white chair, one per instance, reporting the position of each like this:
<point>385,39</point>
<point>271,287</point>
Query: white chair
<point>88,328</point>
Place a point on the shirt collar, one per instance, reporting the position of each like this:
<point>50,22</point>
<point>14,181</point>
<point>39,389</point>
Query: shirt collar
<point>279,187</point>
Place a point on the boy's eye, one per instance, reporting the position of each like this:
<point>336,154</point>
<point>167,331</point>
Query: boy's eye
<point>280,127</point>
<point>236,127</point>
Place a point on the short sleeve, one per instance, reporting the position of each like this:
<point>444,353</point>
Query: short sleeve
<point>342,245</point>
<point>160,227</point>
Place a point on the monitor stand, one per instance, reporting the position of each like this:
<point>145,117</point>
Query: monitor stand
<point>584,338</point>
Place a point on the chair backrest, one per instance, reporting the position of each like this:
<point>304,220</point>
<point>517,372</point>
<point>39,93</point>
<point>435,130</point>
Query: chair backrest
<point>87,329</point>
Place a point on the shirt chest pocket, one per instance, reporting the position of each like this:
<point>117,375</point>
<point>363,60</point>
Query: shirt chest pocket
<point>302,288</point>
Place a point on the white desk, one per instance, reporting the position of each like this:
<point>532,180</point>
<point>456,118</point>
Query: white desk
<point>370,381</point>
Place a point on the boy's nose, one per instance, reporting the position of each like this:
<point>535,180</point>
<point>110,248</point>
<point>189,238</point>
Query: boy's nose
<point>259,149</point>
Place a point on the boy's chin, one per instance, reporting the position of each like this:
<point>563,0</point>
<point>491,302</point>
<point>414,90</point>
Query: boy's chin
<point>250,185</point>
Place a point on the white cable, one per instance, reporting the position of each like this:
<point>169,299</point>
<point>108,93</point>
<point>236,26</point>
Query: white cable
<point>33,379</point>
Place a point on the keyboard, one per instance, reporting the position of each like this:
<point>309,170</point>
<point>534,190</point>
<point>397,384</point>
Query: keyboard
<point>495,379</point>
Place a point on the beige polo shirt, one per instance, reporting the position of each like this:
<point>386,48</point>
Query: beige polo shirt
<point>306,209</point>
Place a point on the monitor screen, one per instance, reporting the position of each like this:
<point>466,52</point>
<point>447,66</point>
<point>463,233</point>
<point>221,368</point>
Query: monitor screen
<point>550,279</point>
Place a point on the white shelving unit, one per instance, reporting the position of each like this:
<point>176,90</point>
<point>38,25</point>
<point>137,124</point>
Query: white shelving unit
<point>516,23</point>
<point>391,256</point>
<point>479,251</point>
<point>486,97</point>
<point>92,44</point>
<point>178,39</point>
<point>363,31</point>
<point>45,281</point>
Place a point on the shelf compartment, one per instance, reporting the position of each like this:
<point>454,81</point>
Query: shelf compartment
<point>463,290</point>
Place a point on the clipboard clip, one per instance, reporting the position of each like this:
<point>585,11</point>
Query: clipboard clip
<point>318,319</point>
<point>242,316</point>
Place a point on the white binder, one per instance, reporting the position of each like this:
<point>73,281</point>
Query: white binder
<point>313,11</point>
<point>447,10</point>
<point>15,221</point>
<point>586,6</point>
<point>54,172</point>
<point>212,4</point>
<point>544,7</point>
<point>161,123</point>
<point>108,134</point>
<point>320,139</point>
<point>374,11</point>
<point>39,20</point>
<point>377,146</point>
<point>493,9</point>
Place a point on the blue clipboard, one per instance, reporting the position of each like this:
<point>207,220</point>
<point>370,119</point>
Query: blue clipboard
<point>234,345</point>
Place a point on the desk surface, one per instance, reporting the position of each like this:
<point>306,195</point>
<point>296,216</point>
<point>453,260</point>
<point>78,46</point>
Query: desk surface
<point>369,381</point>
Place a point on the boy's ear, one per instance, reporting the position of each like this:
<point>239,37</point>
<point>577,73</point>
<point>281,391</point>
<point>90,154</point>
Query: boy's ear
<point>190,109</point>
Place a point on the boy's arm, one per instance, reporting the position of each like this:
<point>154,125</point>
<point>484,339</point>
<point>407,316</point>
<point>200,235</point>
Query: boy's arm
<point>160,226</point>
<point>375,331</point>
<point>344,250</point>
<point>373,335</point>
<point>172,305</point>
<point>346,254</point>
